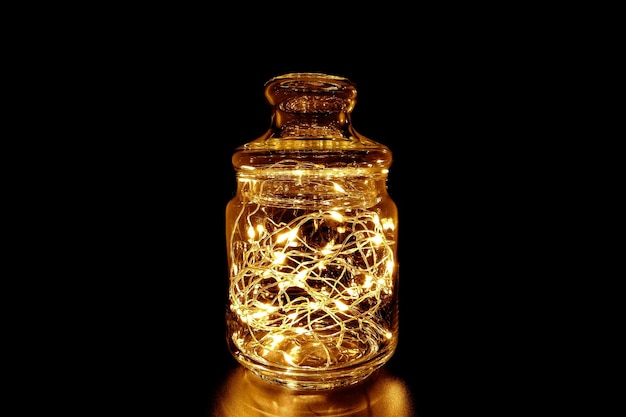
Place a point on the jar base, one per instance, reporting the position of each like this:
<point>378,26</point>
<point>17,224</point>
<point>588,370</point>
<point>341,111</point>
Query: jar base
<point>311,379</point>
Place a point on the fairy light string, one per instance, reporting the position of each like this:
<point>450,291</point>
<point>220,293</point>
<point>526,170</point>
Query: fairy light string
<point>309,284</point>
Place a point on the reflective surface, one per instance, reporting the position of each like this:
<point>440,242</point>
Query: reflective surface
<point>245,395</point>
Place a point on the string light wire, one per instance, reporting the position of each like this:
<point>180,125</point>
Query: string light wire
<point>311,278</point>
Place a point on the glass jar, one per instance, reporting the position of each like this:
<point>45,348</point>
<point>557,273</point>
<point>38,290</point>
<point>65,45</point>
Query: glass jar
<point>311,239</point>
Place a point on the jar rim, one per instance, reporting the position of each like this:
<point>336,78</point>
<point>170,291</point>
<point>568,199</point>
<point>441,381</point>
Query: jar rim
<point>280,87</point>
<point>308,75</point>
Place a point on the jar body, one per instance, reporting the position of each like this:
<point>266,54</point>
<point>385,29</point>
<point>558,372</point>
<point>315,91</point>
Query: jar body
<point>311,240</point>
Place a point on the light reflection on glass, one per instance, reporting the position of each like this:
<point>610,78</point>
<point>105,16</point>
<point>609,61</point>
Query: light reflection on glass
<point>245,395</point>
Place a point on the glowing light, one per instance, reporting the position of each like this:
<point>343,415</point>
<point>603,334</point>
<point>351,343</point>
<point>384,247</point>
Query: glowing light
<point>388,224</point>
<point>289,359</point>
<point>368,282</point>
<point>338,188</point>
<point>300,276</point>
<point>289,236</point>
<point>377,240</point>
<point>279,258</point>
<point>328,249</point>
<point>390,266</point>
<point>336,216</point>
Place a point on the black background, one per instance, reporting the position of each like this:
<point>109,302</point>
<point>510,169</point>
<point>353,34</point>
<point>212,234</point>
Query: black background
<point>445,251</point>
<point>172,108</point>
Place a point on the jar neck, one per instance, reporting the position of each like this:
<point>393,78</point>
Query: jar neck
<point>311,105</point>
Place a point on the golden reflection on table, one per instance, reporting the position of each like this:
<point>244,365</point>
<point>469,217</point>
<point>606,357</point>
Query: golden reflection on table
<point>245,395</point>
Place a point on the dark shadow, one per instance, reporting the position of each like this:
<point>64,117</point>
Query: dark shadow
<point>245,395</point>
